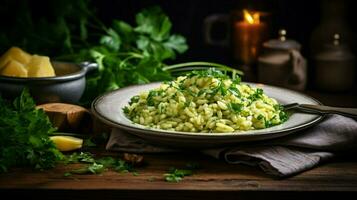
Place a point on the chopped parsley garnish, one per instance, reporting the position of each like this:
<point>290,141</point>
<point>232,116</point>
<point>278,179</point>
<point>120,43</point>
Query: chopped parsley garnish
<point>126,110</point>
<point>152,95</point>
<point>212,72</point>
<point>235,107</point>
<point>256,95</point>
<point>96,166</point>
<point>282,114</point>
<point>134,99</point>
<point>234,90</point>
<point>75,157</point>
<point>269,123</point>
<point>176,175</point>
<point>206,92</point>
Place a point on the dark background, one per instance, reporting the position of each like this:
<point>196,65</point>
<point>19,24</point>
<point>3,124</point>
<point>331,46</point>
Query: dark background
<point>301,18</point>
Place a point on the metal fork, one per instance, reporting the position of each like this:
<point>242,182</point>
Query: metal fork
<point>320,109</point>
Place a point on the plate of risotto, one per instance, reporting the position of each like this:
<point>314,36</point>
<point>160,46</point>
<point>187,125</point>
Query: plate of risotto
<point>203,109</point>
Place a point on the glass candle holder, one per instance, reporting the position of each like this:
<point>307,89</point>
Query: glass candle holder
<point>249,31</point>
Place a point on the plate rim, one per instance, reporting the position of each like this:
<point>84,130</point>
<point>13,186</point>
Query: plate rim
<point>181,134</point>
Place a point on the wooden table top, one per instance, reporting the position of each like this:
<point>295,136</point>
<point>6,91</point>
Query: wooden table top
<point>215,180</point>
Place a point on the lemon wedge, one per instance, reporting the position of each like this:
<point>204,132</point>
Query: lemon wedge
<point>67,143</point>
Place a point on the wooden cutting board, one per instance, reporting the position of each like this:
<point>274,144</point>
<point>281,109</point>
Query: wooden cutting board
<point>73,119</point>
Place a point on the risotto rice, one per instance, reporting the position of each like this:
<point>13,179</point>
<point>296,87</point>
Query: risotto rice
<point>205,101</point>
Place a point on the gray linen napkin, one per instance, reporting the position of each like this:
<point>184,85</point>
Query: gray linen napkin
<point>280,157</point>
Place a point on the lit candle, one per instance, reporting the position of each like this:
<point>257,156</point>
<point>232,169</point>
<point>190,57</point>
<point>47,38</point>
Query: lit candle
<point>247,37</point>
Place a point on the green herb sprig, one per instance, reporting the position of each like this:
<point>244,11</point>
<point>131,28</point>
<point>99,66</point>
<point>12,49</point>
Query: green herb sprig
<point>24,135</point>
<point>127,54</point>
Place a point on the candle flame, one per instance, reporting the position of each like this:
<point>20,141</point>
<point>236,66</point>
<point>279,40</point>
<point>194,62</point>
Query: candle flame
<point>251,17</point>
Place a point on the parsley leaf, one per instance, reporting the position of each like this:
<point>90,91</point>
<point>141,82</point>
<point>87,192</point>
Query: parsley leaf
<point>234,91</point>
<point>79,157</point>
<point>211,72</point>
<point>152,95</point>
<point>235,107</point>
<point>154,22</point>
<point>282,114</point>
<point>256,95</point>
<point>112,40</point>
<point>96,166</point>
<point>176,175</point>
<point>93,168</point>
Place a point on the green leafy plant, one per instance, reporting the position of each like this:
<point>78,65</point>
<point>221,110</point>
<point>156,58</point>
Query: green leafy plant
<point>61,27</point>
<point>129,55</point>
<point>24,135</point>
<point>126,54</point>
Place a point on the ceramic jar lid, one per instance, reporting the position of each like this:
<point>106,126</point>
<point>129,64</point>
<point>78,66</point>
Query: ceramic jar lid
<point>335,51</point>
<point>282,43</point>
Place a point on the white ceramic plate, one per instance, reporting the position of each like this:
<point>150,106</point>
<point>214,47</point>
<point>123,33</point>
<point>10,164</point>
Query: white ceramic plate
<point>108,108</point>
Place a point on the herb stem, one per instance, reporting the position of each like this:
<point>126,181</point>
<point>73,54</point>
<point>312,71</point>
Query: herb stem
<point>200,63</point>
<point>126,59</point>
<point>130,54</point>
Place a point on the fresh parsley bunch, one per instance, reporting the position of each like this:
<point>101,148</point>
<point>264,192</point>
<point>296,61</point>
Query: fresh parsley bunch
<point>129,55</point>
<point>126,54</point>
<point>24,135</point>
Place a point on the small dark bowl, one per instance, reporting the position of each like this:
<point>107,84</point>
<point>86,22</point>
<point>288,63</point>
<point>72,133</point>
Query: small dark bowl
<point>67,86</point>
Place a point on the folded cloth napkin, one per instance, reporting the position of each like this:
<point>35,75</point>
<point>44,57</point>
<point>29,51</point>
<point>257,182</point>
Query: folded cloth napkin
<point>280,157</point>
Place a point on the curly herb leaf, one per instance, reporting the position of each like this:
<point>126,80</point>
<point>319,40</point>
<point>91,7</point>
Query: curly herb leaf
<point>24,135</point>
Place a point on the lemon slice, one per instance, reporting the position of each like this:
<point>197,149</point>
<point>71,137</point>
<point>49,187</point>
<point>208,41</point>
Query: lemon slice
<point>67,143</point>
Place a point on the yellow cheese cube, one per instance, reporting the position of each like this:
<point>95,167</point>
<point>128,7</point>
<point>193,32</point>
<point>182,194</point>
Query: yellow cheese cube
<point>40,66</point>
<point>14,68</point>
<point>67,143</point>
<point>14,53</point>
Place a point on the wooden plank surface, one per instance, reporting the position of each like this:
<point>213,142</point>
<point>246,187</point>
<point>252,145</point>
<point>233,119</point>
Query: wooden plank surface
<point>215,177</point>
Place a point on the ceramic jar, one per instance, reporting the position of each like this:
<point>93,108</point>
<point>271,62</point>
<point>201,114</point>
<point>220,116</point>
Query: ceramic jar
<point>335,67</point>
<point>282,64</point>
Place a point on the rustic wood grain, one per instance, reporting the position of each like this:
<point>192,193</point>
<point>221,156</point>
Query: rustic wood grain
<point>215,177</point>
